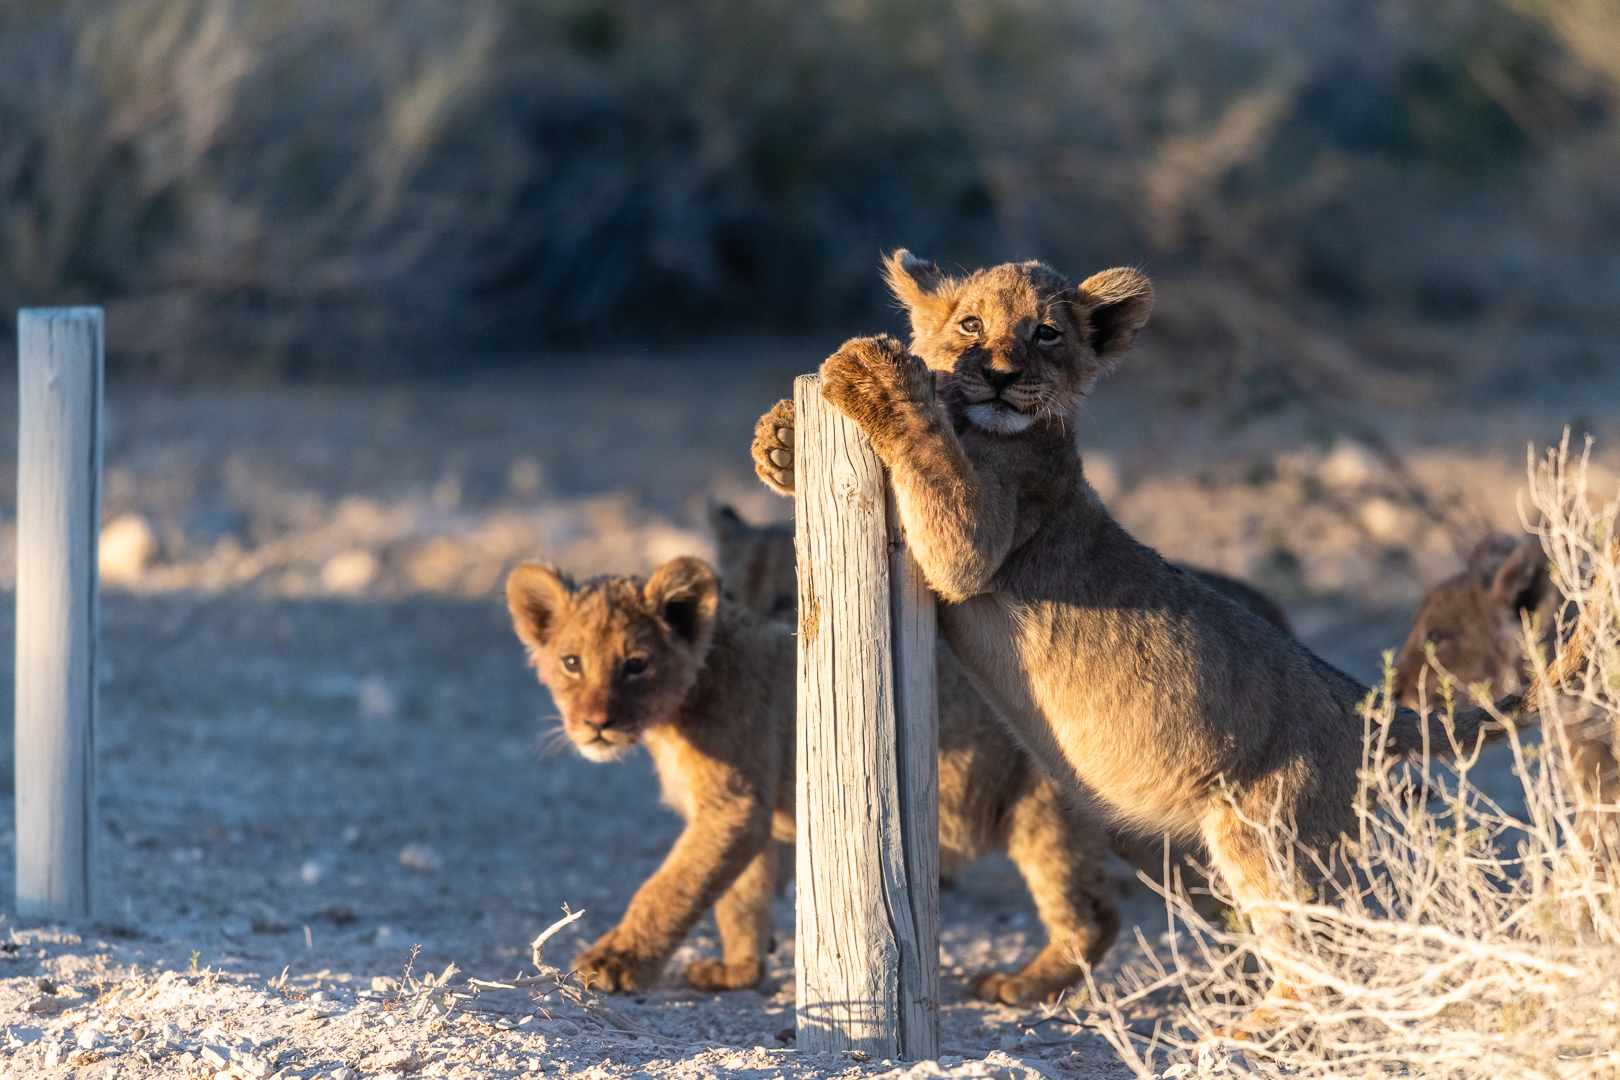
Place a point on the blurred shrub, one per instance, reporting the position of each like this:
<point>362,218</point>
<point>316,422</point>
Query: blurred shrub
<point>303,188</point>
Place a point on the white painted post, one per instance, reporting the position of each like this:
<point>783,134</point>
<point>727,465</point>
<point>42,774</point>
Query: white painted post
<point>59,372</point>
<point>867,938</point>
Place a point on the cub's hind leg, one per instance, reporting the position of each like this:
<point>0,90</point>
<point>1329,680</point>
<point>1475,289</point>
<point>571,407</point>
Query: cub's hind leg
<point>1239,852</point>
<point>1064,860</point>
<point>743,914</point>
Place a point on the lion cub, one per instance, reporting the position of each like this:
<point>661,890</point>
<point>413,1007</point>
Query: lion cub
<point>710,689</point>
<point>1160,705</point>
<point>757,566</point>
<point>1474,623</point>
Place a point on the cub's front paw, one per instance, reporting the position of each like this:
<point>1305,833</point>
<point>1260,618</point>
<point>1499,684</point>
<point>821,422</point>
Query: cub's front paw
<point>719,975</point>
<point>608,967</point>
<point>773,447</point>
<point>874,381</point>
<point>1010,989</point>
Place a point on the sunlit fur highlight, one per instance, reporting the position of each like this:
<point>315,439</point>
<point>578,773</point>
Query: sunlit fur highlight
<point>1159,704</point>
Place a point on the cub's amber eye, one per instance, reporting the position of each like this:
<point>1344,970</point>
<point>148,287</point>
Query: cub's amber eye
<point>971,325</point>
<point>571,664</point>
<point>635,665</point>
<point>1046,333</point>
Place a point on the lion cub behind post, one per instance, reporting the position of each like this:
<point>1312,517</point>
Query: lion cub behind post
<point>1160,705</point>
<point>711,690</point>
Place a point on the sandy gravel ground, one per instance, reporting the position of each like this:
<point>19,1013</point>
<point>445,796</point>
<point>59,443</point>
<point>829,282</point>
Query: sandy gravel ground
<point>322,763</point>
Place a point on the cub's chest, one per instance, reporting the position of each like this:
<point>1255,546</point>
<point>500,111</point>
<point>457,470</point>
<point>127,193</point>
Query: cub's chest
<point>676,762</point>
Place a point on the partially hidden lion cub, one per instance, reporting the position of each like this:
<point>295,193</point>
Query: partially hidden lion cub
<point>709,688</point>
<point>1473,624</point>
<point>1159,705</point>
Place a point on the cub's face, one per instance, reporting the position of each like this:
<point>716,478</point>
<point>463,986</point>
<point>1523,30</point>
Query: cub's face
<point>1016,342</point>
<point>619,655</point>
<point>1473,622</point>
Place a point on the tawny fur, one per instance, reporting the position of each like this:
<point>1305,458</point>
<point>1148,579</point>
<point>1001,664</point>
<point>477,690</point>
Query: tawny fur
<point>1474,626</point>
<point>991,797</point>
<point>715,706</point>
<point>757,567</point>
<point>1159,705</point>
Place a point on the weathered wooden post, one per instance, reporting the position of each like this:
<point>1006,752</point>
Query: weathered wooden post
<point>59,373</point>
<point>867,936</point>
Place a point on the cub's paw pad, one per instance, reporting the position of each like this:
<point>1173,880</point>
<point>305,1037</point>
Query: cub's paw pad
<point>718,975</point>
<point>772,448</point>
<point>608,970</point>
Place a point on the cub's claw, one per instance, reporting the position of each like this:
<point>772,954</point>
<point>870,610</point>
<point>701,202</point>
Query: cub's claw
<point>773,447</point>
<point>608,969</point>
<point>719,975</point>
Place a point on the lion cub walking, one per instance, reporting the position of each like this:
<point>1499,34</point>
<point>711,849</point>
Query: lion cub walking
<point>710,689</point>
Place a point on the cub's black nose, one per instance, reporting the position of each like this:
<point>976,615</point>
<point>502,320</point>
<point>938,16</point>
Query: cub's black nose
<point>999,380</point>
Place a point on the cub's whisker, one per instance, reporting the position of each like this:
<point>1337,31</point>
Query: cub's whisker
<point>553,741</point>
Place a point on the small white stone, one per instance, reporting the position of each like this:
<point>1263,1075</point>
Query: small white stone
<point>214,1057</point>
<point>1349,465</point>
<point>1386,521</point>
<point>127,545</point>
<point>349,572</point>
<point>90,1038</point>
<point>419,856</point>
<point>525,478</point>
<point>53,1053</point>
<point>376,700</point>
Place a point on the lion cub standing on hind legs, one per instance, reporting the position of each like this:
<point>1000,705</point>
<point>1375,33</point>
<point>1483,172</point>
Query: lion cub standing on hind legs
<point>1158,704</point>
<point>711,690</point>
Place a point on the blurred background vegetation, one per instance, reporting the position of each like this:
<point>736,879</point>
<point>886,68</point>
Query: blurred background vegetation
<point>1384,199</point>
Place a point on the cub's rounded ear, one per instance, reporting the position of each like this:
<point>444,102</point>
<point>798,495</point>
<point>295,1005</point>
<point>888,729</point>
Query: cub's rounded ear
<point>1489,554</point>
<point>726,523</point>
<point>1523,580</point>
<point>1116,303</point>
<point>685,593</point>
<point>928,294</point>
<point>536,596</point>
